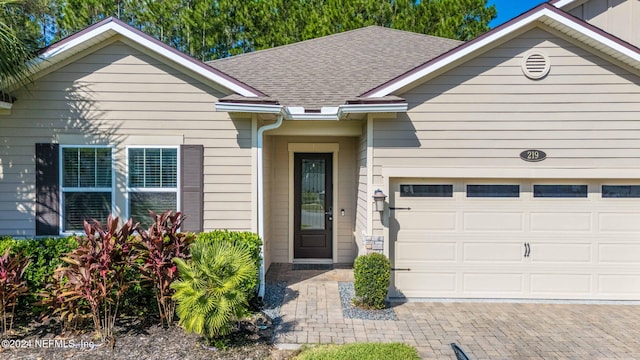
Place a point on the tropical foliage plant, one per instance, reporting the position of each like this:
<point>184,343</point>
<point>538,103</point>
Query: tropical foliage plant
<point>251,241</point>
<point>158,246</point>
<point>12,285</point>
<point>15,50</point>
<point>67,310</point>
<point>95,271</point>
<point>208,292</point>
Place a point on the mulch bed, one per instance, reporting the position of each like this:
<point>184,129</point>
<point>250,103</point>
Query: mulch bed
<point>138,339</point>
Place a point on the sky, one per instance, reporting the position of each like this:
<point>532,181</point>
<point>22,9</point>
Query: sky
<point>508,9</point>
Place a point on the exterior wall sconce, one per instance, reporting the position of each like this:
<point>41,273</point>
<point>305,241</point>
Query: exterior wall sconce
<point>379,197</point>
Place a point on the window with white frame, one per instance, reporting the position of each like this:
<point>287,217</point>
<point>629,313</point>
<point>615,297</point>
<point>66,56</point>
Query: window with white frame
<point>87,185</point>
<point>153,181</point>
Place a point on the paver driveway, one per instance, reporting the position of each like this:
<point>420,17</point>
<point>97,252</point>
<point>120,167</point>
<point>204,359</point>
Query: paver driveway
<point>312,313</point>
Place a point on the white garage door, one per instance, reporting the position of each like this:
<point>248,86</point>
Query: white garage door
<point>543,239</point>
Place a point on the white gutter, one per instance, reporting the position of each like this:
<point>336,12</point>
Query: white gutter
<point>298,113</point>
<point>261,198</point>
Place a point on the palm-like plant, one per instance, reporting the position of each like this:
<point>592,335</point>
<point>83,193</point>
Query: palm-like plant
<point>209,294</point>
<point>14,53</point>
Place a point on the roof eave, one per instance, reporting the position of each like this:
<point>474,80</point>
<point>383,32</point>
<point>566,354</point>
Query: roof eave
<point>298,113</point>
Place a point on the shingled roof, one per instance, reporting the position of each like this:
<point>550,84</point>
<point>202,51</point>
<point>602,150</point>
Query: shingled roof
<point>331,70</point>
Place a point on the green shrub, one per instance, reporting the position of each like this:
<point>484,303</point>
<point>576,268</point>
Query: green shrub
<point>209,293</point>
<point>372,273</point>
<point>45,256</point>
<point>251,241</point>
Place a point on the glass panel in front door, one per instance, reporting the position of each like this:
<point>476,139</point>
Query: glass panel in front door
<point>312,207</point>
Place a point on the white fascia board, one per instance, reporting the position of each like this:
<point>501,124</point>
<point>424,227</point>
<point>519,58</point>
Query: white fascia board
<point>249,108</point>
<point>562,3</point>
<point>5,105</point>
<point>537,16</point>
<point>373,108</point>
<point>297,113</point>
<point>169,54</point>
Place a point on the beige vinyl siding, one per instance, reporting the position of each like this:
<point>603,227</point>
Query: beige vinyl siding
<point>363,191</point>
<point>280,192</point>
<point>619,17</point>
<point>485,112</point>
<point>120,96</point>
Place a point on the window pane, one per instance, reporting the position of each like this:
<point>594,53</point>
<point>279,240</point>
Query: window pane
<point>153,168</point>
<point>86,167</point>
<point>141,202</point>
<point>426,190</point>
<point>70,167</point>
<point>79,206</point>
<point>313,194</point>
<point>493,190</point>
<point>621,191</point>
<point>560,191</point>
<point>136,167</point>
<point>103,167</point>
<point>169,168</point>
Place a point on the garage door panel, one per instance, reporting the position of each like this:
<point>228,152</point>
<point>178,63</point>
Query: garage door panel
<point>491,252</point>
<point>554,284</point>
<point>493,283</point>
<point>425,252</point>
<point>619,253</point>
<point>427,221</point>
<point>615,222</point>
<point>615,286</point>
<point>493,221</point>
<point>557,221</point>
<point>561,253</point>
<point>412,283</point>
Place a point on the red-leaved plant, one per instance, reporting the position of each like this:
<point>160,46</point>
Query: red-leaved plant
<point>12,285</point>
<point>158,247</point>
<point>65,308</point>
<point>95,270</point>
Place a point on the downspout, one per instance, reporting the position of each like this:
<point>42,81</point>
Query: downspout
<point>261,197</point>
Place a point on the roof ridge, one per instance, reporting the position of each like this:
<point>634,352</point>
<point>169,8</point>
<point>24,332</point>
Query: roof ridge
<point>325,37</point>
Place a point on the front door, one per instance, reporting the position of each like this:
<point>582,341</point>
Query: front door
<point>313,202</point>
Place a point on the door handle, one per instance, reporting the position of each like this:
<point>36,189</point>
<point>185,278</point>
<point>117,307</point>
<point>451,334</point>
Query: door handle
<point>527,249</point>
<point>330,213</point>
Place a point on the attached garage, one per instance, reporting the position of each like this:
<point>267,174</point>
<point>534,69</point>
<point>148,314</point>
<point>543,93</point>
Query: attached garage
<point>512,238</point>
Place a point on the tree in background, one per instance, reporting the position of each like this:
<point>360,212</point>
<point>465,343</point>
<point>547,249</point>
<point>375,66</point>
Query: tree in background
<point>210,29</point>
<point>18,41</point>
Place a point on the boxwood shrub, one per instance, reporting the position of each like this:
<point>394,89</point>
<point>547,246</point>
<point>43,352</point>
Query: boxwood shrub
<point>372,273</point>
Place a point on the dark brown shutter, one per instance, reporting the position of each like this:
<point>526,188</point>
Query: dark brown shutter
<point>47,189</point>
<point>192,186</point>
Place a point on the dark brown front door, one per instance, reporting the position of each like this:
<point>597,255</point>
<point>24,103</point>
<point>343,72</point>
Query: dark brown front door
<point>313,201</point>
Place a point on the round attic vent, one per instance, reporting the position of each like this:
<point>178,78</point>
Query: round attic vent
<point>535,65</point>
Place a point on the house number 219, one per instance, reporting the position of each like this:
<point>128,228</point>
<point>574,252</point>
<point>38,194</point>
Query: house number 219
<point>533,155</point>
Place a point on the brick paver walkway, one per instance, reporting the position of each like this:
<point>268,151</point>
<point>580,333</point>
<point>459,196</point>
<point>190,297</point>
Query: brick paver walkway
<point>312,313</point>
